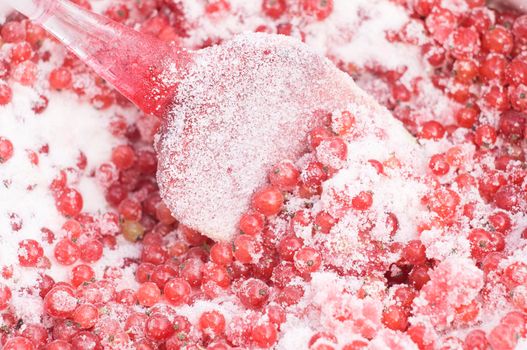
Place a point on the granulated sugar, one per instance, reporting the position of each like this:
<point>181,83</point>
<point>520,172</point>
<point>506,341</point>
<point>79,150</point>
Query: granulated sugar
<point>366,232</point>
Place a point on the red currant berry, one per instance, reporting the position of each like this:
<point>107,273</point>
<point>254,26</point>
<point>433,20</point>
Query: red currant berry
<point>253,293</point>
<point>6,150</point>
<point>29,252</point>
<point>18,343</point>
<point>60,302</point>
<point>60,78</point>
<point>268,201</point>
<point>123,157</point>
<point>212,323</point>
<point>158,327</point>
<point>6,95</point>
<point>307,260</point>
<point>274,8</point>
<point>177,291</point>
<point>264,335</point>
<point>66,252</point>
<point>432,130</point>
<point>396,318</point>
<point>86,316</point>
<point>284,176</point>
<point>5,297</point>
<point>498,39</point>
<point>148,294</point>
<point>362,201</point>
<point>320,9</point>
<point>70,202</point>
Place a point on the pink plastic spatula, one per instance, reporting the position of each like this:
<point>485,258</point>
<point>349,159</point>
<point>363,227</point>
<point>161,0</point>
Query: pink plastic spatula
<point>231,111</point>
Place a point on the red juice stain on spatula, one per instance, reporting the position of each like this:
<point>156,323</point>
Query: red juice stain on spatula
<point>231,111</point>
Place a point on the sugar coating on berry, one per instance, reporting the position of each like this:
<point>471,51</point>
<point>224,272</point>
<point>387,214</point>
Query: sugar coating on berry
<point>454,283</point>
<point>246,105</point>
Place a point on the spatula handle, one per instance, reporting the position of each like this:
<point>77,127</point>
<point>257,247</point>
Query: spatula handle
<point>144,69</point>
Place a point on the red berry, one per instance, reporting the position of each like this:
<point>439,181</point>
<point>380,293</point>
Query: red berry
<point>70,202</point>
<point>246,249</point>
<point>214,6</point>
<point>221,253</point>
<point>321,9</point>
<point>414,253</point>
<point>362,201</point>
<point>29,252</point>
<point>192,271</point>
<point>516,72</point>
<point>307,260</point>
<point>465,71</point>
<point>252,223</point>
<point>274,8</point>
<point>314,174</point>
<point>162,274</point>
<point>432,130</point>
<point>60,302</point>
<point>435,55</point>
<point>6,150</point>
<point>264,335</point>
<point>81,274</point>
<point>485,135</point>
<point>85,341</point>
<point>177,291</point>
<point>37,334</point>
<point>497,98</point>
<point>60,78</point>
<point>86,316</point>
<point>492,69</point>
<point>212,323</point>
<point>331,150</point>
<point>508,198</point>
<point>322,341</point>
<point>253,293</point>
<point>288,246</point>
<point>117,12</point>
<point>6,94</point>
<point>439,165</point>
<point>317,135</point>
<point>419,276</point>
<point>5,297</point>
<point>466,117</point>
<point>13,32</point>
<point>284,176</point>
<point>324,222</point>
<point>158,327</point>
<point>91,251</point>
<point>481,243</point>
<point>342,123</point>
<point>21,52</point>
<point>148,294</point>
<point>59,345</point>
<point>476,340</point>
<point>153,253</point>
<point>464,43</point>
<point>66,252</point>
<point>440,23</point>
<point>498,39</point>
<point>500,221</point>
<point>18,343</point>
<point>424,7</point>
<point>395,317</point>
<point>123,157</point>
<point>512,125</point>
<point>268,201</point>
